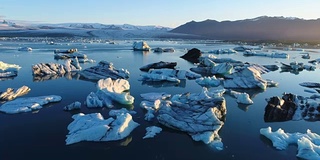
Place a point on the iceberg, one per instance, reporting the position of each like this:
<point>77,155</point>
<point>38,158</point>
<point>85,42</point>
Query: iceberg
<point>44,69</point>
<point>152,96</point>
<point>10,94</point>
<point>265,54</point>
<point>104,70</point>
<point>200,115</point>
<point>208,81</point>
<point>28,104</point>
<point>73,106</point>
<point>117,112</point>
<point>141,46</point>
<point>8,71</point>
<point>171,75</point>
<point>242,98</point>
<point>152,131</point>
<point>308,143</point>
<point>158,65</point>
<point>109,90</point>
<point>192,55</point>
<point>223,51</point>
<point>93,127</point>
<point>27,49</point>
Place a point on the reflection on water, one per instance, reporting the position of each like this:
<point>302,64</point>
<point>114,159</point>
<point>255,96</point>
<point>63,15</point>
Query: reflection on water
<point>68,76</point>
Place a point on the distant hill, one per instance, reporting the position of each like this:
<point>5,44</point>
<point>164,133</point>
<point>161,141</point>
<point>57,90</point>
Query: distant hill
<point>261,28</point>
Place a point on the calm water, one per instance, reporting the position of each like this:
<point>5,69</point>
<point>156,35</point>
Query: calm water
<point>42,134</point>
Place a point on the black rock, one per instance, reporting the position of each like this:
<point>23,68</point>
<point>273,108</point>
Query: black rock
<point>192,55</point>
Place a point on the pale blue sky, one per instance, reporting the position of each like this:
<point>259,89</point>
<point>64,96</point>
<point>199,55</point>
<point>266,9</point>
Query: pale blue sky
<point>170,13</point>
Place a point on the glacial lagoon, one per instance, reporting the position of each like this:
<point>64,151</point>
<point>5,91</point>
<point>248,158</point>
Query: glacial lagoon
<point>41,134</point>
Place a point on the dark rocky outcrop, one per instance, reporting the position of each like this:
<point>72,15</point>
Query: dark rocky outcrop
<point>158,65</point>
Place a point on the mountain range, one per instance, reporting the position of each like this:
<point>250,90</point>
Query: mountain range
<point>262,28</point>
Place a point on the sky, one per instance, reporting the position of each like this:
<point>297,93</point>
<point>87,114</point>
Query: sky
<point>168,13</point>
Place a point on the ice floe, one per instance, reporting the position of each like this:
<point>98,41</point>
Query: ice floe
<point>209,81</point>
<point>171,75</point>
<point>241,97</point>
<point>158,65</point>
<point>73,106</point>
<point>44,69</point>
<point>109,90</point>
<point>223,51</point>
<point>11,94</point>
<point>265,54</point>
<point>104,70</point>
<point>152,131</point>
<point>93,127</point>
<point>8,71</point>
<point>308,143</point>
<point>200,115</point>
<point>27,49</point>
<point>141,46</point>
<point>28,104</point>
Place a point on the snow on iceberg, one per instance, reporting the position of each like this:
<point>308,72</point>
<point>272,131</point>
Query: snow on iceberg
<point>28,104</point>
<point>200,115</point>
<point>171,75</point>
<point>110,90</point>
<point>208,81</point>
<point>10,94</point>
<point>152,131</point>
<point>308,143</point>
<point>93,127</point>
<point>104,70</point>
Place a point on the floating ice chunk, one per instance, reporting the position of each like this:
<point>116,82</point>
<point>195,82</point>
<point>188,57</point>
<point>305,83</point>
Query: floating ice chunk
<point>10,94</point>
<point>158,65</point>
<point>93,101</point>
<point>104,70</point>
<point>152,131</point>
<point>43,69</point>
<point>141,46</point>
<point>308,143</point>
<point>171,75</point>
<point>27,49</point>
<point>152,96</point>
<point>28,104</point>
<point>72,106</point>
<point>198,114</point>
<point>115,89</point>
<point>208,81</point>
<point>117,112</point>
<point>4,67</point>
<point>93,127</point>
<point>242,98</point>
<point>151,108</point>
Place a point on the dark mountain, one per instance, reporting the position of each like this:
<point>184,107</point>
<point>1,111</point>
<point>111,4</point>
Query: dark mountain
<point>260,28</point>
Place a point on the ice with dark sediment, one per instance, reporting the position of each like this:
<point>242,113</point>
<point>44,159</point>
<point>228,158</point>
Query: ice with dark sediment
<point>104,70</point>
<point>44,69</point>
<point>28,104</point>
<point>93,127</point>
<point>308,143</point>
<point>158,65</point>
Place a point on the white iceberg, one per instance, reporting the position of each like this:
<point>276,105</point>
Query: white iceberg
<point>223,51</point>
<point>151,107</point>
<point>93,127</point>
<point>208,81</point>
<point>171,75</point>
<point>272,54</point>
<point>73,106</point>
<point>308,143</point>
<point>10,94</point>
<point>141,46</point>
<point>109,90</point>
<point>242,98</point>
<point>104,70</point>
<point>28,104</point>
<point>199,114</point>
<point>152,131</point>
<point>8,70</point>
